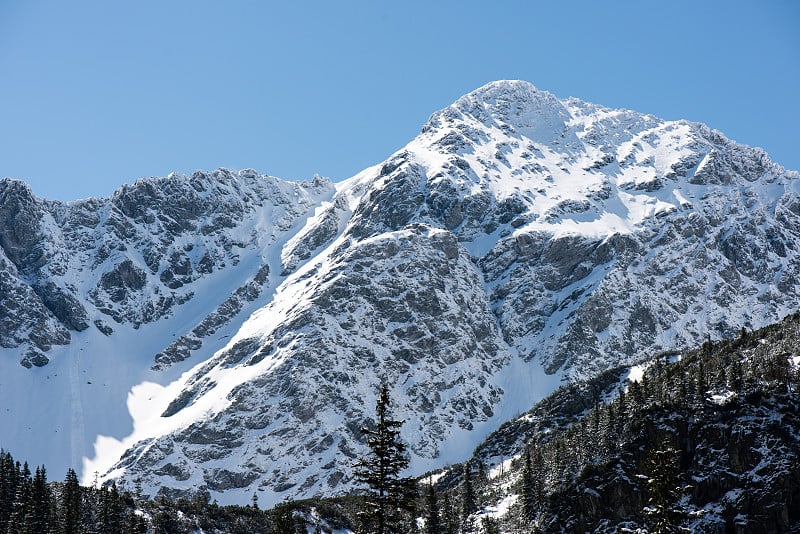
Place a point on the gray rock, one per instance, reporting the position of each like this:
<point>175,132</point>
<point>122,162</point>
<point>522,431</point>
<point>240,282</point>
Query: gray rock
<point>34,358</point>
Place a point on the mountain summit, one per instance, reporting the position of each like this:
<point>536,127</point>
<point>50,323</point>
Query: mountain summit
<point>538,115</point>
<point>518,242</point>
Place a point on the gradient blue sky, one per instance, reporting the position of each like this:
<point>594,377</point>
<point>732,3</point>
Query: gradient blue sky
<point>94,94</point>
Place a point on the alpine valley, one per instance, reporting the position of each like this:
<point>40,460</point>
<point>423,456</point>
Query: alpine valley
<point>228,331</point>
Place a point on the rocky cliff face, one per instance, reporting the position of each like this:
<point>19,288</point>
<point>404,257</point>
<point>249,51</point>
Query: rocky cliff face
<point>132,258</point>
<point>519,240</point>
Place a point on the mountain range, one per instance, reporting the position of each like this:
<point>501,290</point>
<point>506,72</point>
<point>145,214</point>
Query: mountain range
<point>228,331</point>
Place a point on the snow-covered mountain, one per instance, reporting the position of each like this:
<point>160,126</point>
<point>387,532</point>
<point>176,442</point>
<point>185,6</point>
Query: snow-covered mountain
<point>229,330</point>
<point>101,296</point>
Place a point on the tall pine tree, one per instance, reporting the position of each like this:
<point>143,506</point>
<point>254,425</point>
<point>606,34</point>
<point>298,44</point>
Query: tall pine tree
<point>70,508</point>
<point>664,512</point>
<point>381,469</point>
<point>41,503</point>
<point>529,483</point>
<point>449,515</point>
<point>109,516</point>
<point>433,522</point>
<point>468,505</point>
<point>9,479</point>
<point>20,519</point>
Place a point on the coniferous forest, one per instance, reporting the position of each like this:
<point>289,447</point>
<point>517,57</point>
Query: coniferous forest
<point>703,441</point>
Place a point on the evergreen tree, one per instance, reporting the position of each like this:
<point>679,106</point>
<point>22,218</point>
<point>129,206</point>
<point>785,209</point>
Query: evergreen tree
<point>529,491</point>
<point>664,488</point>
<point>165,521</point>
<point>683,386</point>
<point>20,520</point>
<point>109,514</point>
<point>70,505</point>
<point>623,405</point>
<point>449,515</point>
<point>407,507</point>
<point>700,383</point>
<point>433,523</point>
<point>636,393</point>
<point>468,505</point>
<point>9,476</point>
<point>135,524</point>
<point>489,525</point>
<point>381,469</point>
<point>608,426</point>
<point>283,522</point>
<point>41,502</point>
<point>26,472</point>
<point>735,375</point>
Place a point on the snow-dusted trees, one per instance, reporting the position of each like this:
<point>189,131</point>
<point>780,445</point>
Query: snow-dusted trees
<point>25,501</point>
<point>449,515</point>
<point>69,513</point>
<point>468,504</point>
<point>433,522</point>
<point>39,516</point>
<point>531,483</point>
<point>664,511</point>
<point>10,476</point>
<point>381,469</point>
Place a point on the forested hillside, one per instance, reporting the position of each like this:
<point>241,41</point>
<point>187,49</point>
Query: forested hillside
<point>705,441</point>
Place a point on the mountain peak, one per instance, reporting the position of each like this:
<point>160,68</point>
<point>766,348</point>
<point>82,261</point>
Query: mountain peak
<point>17,187</point>
<point>516,104</point>
<point>501,88</point>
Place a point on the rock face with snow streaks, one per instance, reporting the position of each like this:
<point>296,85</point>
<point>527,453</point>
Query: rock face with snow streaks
<point>519,240</point>
<point>132,258</point>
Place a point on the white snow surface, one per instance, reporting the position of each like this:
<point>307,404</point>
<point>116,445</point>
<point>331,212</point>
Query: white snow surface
<point>636,372</point>
<point>722,397</point>
<point>446,271</point>
<point>499,510</point>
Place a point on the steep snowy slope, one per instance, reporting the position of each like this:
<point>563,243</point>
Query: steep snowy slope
<point>518,241</point>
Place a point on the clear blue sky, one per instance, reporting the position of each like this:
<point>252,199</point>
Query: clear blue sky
<point>94,94</point>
